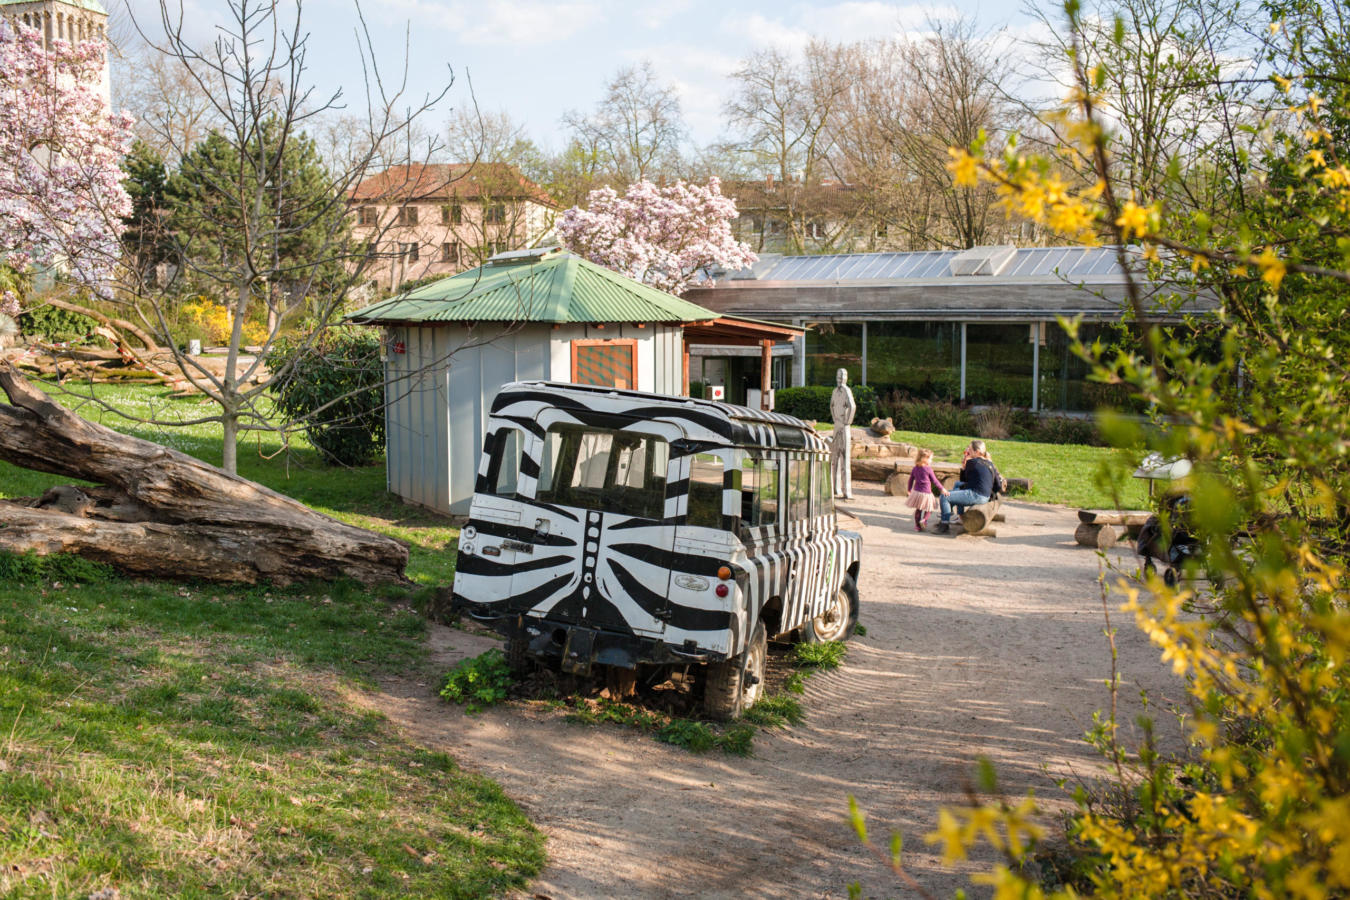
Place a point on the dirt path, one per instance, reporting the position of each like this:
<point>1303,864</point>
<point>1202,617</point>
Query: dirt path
<point>974,647</point>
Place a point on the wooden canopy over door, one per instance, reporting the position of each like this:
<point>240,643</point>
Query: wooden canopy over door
<point>731,331</point>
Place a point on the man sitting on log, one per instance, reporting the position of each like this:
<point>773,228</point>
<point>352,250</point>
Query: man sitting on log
<point>975,486</point>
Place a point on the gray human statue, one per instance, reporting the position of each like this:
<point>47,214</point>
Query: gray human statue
<point>842,410</point>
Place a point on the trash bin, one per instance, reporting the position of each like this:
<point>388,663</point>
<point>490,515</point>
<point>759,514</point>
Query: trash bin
<point>194,347</point>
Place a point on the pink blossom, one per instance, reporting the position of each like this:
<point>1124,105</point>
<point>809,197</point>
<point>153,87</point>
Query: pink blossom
<point>662,236</point>
<point>9,304</point>
<point>61,194</point>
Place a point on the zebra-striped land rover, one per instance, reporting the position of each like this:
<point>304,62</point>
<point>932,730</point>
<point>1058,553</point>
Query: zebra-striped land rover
<point>634,530</point>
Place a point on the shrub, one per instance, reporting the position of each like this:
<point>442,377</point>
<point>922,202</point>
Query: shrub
<point>55,324</point>
<point>995,423</point>
<point>933,418</point>
<point>479,682</point>
<point>335,389</point>
<point>1066,430</point>
<point>813,403</point>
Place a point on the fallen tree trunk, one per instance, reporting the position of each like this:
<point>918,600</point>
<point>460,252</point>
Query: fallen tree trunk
<point>157,512</point>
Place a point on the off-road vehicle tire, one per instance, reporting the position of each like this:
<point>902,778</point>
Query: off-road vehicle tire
<point>734,685</point>
<point>838,620</point>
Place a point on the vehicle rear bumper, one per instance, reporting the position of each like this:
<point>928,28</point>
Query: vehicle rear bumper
<point>576,648</point>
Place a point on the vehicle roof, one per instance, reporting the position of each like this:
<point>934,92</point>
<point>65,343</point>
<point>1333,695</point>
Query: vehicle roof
<point>742,424</point>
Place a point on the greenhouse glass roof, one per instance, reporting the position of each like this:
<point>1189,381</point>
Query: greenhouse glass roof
<point>1075,264</point>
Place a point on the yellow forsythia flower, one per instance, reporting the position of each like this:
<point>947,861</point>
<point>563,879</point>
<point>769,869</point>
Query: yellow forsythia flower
<point>1272,268</point>
<point>963,167</point>
<point>1133,219</point>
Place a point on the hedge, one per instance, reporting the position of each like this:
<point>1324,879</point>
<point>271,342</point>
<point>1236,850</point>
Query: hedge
<point>813,403</point>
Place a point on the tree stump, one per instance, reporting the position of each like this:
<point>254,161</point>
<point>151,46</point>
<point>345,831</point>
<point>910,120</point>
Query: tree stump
<point>159,513</point>
<point>897,484</point>
<point>1100,536</point>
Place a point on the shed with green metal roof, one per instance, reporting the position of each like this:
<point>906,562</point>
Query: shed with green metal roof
<point>526,315</point>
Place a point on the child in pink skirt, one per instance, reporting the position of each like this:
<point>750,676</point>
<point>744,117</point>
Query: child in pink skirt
<point>922,480</point>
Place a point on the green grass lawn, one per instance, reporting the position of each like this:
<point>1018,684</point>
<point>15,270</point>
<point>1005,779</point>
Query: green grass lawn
<point>1065,474</point>
<point>191,740</point>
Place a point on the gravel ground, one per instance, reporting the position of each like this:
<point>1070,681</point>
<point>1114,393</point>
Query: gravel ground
<point>974,647</point>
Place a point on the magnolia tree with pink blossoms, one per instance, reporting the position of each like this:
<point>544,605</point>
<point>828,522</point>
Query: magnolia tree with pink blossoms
<point>61,194</point>
<point>661,236</point>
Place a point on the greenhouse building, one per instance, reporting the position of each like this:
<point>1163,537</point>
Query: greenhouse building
<point>979,325</point>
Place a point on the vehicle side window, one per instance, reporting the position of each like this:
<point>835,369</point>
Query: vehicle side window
<point>504,470</point>
<point>759,492</point>
<point>705,491</point>
<point>799,489</point>
<point>824,499</point>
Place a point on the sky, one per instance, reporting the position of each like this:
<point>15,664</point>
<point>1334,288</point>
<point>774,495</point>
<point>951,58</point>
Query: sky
<point>537,59</point>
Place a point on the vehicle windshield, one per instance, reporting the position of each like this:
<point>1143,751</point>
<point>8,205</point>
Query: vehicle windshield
<point>604,469</point>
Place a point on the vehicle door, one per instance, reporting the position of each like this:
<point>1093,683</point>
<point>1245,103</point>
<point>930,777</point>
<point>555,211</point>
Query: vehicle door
<point>799,549</point>
<point>705,606</point>
<point>490,542</point>
<point>598,526</point>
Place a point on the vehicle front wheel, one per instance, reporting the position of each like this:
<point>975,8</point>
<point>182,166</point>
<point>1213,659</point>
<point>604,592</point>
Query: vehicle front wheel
<point>838,620</point>
<point>734,685</point>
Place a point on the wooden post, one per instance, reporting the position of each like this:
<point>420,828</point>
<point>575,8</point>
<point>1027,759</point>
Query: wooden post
<point>685,345</point>
<point>765,373</point>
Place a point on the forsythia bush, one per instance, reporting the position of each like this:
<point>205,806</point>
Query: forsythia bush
<point>216,322</point>
<point>1259,803</point>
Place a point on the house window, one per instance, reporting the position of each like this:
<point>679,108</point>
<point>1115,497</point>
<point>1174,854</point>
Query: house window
<point>882,229</point>
<point>409,252</point>
<point>450,252</point>
<point>407,215</point>
<point>367,215</point>
<point>452,214</point>
<point>605,363</point>
<point>815,231</point>
<point>495,213</point>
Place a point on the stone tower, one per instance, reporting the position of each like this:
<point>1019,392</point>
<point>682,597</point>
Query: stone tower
<point>70,20</point>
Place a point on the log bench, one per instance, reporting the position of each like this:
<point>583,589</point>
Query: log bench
<point>1103,528</point>
<point>978,519</point>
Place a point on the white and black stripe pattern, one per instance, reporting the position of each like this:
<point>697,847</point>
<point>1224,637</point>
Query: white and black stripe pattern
<point>622,573</point>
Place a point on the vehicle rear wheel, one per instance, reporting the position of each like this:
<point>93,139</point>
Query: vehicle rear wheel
<point>838,620</point>
<point>518,658</point>
<point>734,685</point>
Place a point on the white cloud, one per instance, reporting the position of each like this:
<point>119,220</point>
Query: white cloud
<point>660,14</point>
<point>530,22</point>
<point>854,20</point>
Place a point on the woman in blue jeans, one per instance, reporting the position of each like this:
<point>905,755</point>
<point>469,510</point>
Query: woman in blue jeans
<point>975,486</point>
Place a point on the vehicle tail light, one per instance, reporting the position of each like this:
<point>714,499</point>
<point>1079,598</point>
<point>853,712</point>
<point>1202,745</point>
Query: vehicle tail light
<point>722,590</point>
<point>724,573</point>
